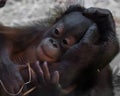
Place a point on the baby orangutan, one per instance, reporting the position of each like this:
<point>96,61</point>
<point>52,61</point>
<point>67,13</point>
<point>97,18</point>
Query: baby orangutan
<point>74,48</point>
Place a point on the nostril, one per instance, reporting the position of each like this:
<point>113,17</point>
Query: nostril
<point>55,45</point>
<point>51,40</point>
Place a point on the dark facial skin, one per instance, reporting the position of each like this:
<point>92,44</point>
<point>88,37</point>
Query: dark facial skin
<point>64,34</point>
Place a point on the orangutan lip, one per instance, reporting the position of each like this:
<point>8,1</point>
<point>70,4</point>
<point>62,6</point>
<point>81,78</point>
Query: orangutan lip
<point>45,52</point>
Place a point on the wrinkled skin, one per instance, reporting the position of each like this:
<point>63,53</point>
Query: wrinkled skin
<point>67,52</point>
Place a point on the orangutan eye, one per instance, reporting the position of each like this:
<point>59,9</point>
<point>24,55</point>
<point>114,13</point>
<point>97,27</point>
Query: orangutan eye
<point>57,32</point>
<point>65,42</point>
<point>68,41</point>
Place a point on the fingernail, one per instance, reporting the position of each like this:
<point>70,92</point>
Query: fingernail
<point>56,77</point>
<point>37,62</point>
<point>56,72</point>
<point>45,62</point>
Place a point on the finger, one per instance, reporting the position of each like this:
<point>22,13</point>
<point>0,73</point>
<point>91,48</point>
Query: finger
<point>38,71</point>
<point>55,77</point>
<point>92,35</point>
<point>46,71</point>
<point>96,12</point>
<point>33,77</point>
<point>101,16</point>
<point>22,67</point>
